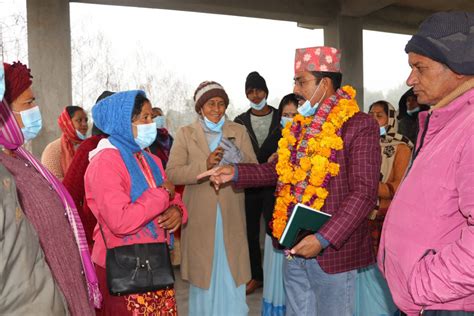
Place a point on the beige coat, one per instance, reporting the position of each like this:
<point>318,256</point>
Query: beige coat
<point>188,159</point>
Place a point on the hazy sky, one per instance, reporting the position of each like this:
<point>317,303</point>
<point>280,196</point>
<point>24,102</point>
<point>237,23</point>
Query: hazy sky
<point>199,47</point>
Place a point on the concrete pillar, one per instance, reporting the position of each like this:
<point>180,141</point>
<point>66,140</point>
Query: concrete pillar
<point>345,33</point>
<point>49,54</point>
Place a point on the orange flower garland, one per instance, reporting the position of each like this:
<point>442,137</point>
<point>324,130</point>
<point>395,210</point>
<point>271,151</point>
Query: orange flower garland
<point>306,156</point>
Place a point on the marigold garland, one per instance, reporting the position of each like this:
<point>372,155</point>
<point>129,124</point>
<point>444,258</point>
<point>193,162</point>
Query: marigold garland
<point>307,155</point>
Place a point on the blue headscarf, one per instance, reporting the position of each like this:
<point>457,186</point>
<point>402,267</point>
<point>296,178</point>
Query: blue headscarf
<point>113,115</point>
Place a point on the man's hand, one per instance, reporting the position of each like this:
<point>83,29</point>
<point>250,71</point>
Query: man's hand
<point>169,187</point>
<point>214,158</point>
<point>309,247</point>
<point>219,175</point>
<point>170,219</point>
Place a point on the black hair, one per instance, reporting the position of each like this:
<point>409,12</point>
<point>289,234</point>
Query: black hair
<point>140,100</point>
<point>336,77</point>
<point>287,99</point>
<point>383,103</point>
<point>72,109</point>
<point>95,130</point>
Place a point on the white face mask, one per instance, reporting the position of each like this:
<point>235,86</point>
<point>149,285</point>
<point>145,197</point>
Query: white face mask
<point>80,135</point>
<point>259,106</point>
<point>146,134</point>
<point>307,109</point>
<point>160,121</point>
<point>32,122</point>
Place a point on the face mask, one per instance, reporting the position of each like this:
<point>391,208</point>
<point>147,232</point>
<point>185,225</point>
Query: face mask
<point>215,127</point>
<point>259,106</point>
<point>284,120</point>
<point>146,135</point>
<point>32,122</point>
<point>160,121</point>
<point>415,110</point>
<point>307,109</point>
<point>80,135</point>
<point>382,130</point>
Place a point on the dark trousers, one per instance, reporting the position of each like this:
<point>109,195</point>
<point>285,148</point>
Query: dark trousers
<point>447,313</point>
<point>253,212</point>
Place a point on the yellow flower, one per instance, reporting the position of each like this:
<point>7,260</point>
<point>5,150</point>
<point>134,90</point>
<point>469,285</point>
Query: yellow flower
<point>350,91</point>
<point>312,169</point>
<point>305,164</point>
<point>333,169</point>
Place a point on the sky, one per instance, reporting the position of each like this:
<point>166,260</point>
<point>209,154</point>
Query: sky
<point>197,47</point>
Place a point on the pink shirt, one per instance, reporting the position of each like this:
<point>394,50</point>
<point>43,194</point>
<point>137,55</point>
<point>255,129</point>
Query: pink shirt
<point>427,247</point>
<point>107,187</point>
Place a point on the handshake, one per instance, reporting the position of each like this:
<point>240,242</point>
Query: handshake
<point>219,175</point>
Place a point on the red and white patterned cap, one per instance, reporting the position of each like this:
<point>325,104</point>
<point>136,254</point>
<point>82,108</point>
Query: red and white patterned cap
<point>320,58</point>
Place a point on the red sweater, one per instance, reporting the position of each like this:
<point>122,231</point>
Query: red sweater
<point>74,183</point>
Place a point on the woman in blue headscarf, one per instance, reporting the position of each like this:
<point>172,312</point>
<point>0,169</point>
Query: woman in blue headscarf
<point>127,191</point>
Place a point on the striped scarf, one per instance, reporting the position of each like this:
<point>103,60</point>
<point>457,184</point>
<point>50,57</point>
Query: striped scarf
<point>11,138</point>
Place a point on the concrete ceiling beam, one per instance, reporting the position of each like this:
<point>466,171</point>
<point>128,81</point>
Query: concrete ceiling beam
<point>358,8</point>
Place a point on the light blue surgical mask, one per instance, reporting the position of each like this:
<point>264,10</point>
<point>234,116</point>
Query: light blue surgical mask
<point>80,135</point>
<point>259,106</point>
<point>215,127</point>
<point>2,82</point>
<point>32,122</point>
<point>285,120</point>
<point>160,121</point>
<point>413,111</point>
<point>307,109</point>
<point>146,134</point>
<point>382,130</point>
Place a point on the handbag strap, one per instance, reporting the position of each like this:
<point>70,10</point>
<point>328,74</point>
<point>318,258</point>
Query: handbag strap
<point>170,241</point>
<point>103,237</point>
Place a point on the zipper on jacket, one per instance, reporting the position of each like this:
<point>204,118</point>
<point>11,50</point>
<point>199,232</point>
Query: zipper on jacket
<point>422,142</point>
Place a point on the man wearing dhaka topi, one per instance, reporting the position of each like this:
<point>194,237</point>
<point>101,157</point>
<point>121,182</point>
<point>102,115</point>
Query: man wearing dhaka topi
<point>328,159</point>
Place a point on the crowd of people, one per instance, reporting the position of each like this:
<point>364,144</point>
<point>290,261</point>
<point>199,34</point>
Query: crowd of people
<point>397,184</point>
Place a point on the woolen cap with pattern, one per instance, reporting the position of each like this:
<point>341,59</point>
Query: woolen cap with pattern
<point>448,38</point>
<point>320,58</point>
<point>208,90</point>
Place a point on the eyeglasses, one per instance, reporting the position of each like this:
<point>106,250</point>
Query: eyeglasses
<point>300,83</point>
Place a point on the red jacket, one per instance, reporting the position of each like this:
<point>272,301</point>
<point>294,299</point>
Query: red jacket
<point>352,195</point>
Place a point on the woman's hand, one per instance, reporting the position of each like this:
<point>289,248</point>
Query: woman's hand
<point>169,187</point>
<point>171,218</point>
<point>214,158</point>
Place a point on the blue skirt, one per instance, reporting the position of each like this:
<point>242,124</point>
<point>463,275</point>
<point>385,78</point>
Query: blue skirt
<point>223,296</point>
<point>372,297</point>
<point>273,303</point>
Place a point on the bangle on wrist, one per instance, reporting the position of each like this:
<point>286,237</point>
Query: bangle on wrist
<point>167,190</point>
<point>179,208</point>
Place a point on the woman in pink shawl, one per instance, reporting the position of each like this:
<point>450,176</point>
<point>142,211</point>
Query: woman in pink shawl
<point>49,209</point>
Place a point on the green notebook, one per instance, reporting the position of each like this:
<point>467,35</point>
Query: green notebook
<point>303,221</point>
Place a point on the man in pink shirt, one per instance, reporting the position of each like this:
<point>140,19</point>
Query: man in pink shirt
<point>427,247</point>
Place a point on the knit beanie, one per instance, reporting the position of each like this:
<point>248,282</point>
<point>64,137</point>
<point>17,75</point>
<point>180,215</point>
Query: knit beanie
<point>17,80</point>
<point>448,38</point>
<point>208,90</point>
<point>255,81</point>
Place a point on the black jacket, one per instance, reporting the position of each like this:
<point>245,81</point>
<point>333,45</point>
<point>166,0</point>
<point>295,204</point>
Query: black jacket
<point>245,120</point>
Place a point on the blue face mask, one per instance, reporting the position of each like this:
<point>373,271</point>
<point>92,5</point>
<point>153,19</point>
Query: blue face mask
<point>307,109</point>
<point>146,135</point>
<point>215,127</point>
<point>415,110</point>
<point>80,135</point>
<point>160,121</point>
<point>32,122</point>
<point>259,106</point>
<point>382,130</point>
<point>285,120</point>
<point>2,82</point>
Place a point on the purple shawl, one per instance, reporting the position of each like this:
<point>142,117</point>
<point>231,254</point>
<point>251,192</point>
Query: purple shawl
<point>11,138</point>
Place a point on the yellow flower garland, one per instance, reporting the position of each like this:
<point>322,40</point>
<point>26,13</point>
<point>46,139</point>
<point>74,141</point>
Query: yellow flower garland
<point>316,163</point>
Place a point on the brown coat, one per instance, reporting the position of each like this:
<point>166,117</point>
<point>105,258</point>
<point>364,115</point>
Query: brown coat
<point>188,159</point>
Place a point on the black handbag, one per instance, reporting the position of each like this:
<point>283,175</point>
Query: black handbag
<point>138,268</point>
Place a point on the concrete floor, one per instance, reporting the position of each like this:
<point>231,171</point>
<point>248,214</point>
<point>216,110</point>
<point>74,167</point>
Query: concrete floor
<point>254,300</point>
